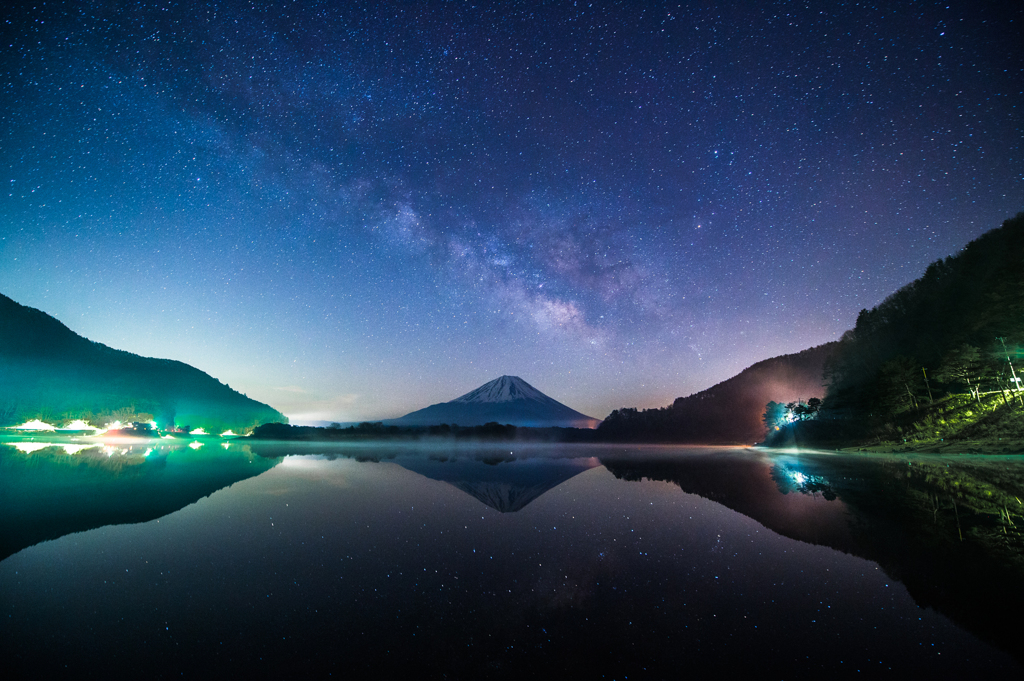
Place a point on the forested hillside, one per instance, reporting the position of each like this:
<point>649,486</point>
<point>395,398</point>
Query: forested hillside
<point>48,371</point>
<point>729,412</point>
<point>938,358</point>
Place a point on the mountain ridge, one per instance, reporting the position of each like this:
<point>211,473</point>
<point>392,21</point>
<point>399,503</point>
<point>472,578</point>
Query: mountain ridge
<point>933,366</point>
<point>728,412</point>
<point>505,400</point>
<point>48,370</point>
<point>503,389</point>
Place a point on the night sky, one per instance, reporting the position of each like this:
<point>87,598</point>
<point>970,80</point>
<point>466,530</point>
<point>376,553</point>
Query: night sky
<point>352,210</point>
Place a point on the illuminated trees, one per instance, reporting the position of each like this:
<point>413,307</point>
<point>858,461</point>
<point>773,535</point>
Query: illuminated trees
<point>775,416</point>
<point>963,365</point>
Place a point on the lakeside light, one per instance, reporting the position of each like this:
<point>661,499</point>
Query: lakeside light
<point>198,431</point>
<point>78,424</point>
<point>36,425</point>
<point>228,433</point>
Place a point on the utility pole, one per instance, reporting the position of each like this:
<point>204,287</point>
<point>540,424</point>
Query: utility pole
<point>1016,385</point>
<point>927,385</point>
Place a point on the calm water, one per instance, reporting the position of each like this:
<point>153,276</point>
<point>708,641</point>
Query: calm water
<point>491,562</point>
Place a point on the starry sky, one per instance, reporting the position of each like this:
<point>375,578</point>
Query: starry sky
<point>350,210</point>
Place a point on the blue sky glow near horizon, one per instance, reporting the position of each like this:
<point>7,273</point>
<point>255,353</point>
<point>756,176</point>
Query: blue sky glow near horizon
<point>353,210</point>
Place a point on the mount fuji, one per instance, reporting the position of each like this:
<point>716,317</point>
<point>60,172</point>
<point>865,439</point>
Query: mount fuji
<point>505,400</point>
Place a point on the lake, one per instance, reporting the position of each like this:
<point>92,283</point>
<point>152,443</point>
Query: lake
<point>496,561</point>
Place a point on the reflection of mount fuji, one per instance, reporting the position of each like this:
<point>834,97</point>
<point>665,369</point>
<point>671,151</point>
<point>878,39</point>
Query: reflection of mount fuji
<point>506,485</point>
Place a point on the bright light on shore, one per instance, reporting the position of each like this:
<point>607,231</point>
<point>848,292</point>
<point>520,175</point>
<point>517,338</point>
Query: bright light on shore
<point>198,431</point>
<point>35,425</point>
<point>79,424</point>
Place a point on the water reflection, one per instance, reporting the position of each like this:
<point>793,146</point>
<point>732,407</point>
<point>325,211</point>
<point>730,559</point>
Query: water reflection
<point>506,485</point>
<point>503,479</point>
<point>743,481</point>
<point>50,489</point>
<point>477,562</point>
<point>941,525</point>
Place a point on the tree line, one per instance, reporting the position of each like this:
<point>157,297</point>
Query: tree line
<point>956,331</point>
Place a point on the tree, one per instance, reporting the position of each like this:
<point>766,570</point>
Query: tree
<point>775,416</point>
<point>1013,373</point>
<point>961,365</point>
<point>898,381</point>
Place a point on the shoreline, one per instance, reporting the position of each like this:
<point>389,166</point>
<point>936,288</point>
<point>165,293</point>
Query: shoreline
<point>942,447</point>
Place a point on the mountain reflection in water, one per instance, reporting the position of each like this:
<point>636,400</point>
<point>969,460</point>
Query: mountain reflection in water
<point>481,562</point>
<point>941,525</point>
<point>48,490</point>
<point>505,484</point>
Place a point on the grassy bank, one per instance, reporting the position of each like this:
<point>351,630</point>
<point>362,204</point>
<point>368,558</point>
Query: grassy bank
<point>990,424</point>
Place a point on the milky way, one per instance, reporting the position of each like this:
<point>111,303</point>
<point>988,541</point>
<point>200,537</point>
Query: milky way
<point>352,210</point>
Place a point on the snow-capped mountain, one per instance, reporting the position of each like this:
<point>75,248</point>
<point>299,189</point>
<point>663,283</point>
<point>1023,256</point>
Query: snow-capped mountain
<point>505,389</point>
<point>506,400</point>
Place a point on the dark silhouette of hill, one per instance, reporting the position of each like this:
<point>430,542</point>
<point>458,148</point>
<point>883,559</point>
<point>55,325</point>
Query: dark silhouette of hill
<point>974,297</point>
<point>729,412</point>
<point>48,371</point>
<point>961,325</point>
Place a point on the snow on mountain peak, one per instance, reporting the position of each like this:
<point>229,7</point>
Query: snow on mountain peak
<point>504,389</point>
<point>508,399</point>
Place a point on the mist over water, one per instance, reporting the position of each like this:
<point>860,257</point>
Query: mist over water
<point>482,562</point>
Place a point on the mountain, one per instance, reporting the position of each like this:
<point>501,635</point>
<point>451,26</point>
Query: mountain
<point>48,371</point>
<point>506,400</point>
<point>728,412</point>
<point>974,298</point>
<point>935,363</point>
